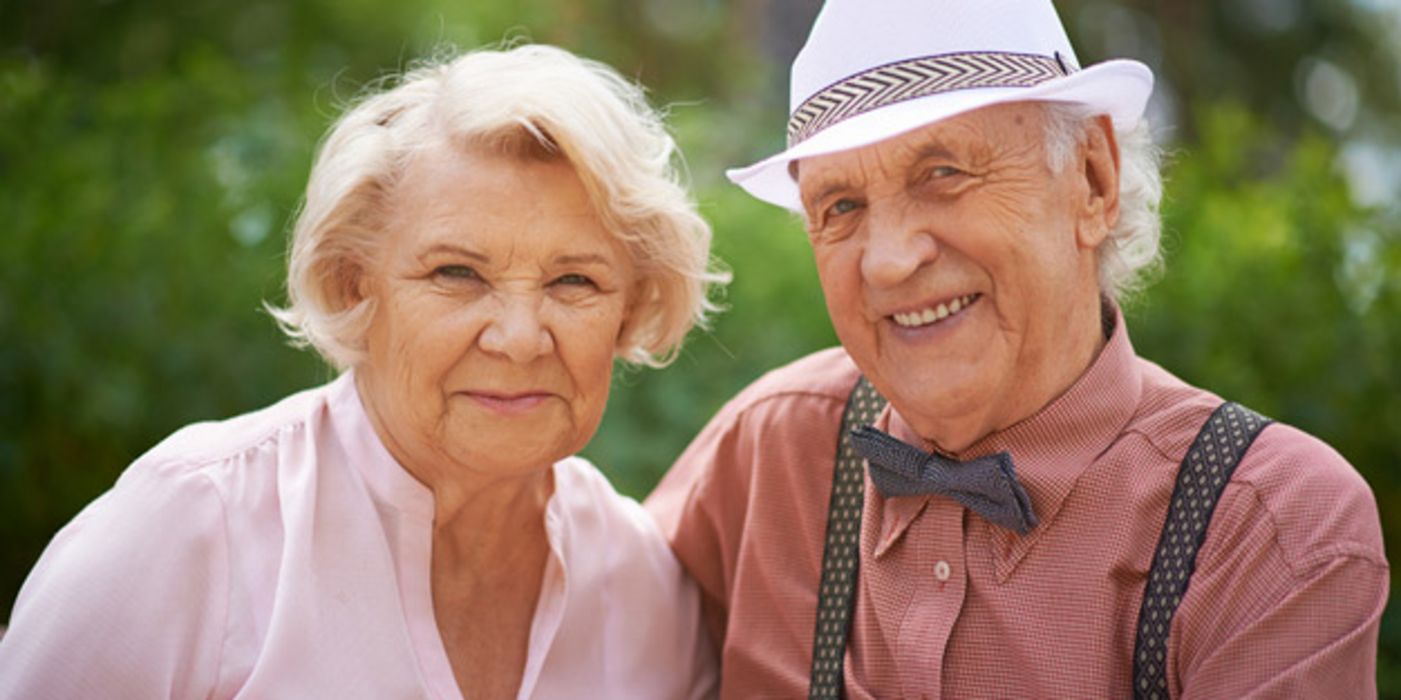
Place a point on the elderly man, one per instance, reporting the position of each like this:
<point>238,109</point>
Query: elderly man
<point>1039,513</point>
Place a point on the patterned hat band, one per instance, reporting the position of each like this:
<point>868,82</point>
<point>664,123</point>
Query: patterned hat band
<point>920,77</point>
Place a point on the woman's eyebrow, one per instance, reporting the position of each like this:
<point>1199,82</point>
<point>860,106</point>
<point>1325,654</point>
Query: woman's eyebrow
<point>581,259</point>
<point>451,249</point>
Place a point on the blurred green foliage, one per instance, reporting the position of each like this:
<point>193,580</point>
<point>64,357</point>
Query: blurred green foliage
<point>153,154</point>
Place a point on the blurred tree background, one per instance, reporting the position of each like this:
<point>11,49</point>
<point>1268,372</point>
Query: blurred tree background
<point>152,154</point>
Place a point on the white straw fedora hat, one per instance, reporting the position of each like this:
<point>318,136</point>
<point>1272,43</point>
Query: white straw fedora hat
<point>873,69</point>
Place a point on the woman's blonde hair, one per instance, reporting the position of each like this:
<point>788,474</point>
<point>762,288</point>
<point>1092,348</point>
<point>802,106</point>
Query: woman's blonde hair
<point>531,101</point>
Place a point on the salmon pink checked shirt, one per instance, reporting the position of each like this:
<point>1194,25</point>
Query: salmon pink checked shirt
<point>286,554</point>
<point>1285,602</point>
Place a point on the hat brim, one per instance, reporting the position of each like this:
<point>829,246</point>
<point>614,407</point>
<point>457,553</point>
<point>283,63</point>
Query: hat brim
<point>1119,88</point>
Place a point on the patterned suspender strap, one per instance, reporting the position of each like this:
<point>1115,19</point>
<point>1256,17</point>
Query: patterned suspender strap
<point>842,549</point>
<point>1206,469</point>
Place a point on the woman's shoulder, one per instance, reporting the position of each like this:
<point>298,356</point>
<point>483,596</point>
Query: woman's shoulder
<point>204,443</point>
<point>160,559</point>
<point>153,548</point>
<point>620,570</point>
<point>588,501</point>
<point>176,497</point>
<point>589,517</point>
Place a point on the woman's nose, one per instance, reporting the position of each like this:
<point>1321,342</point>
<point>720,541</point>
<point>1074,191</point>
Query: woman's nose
<point>516,331</point>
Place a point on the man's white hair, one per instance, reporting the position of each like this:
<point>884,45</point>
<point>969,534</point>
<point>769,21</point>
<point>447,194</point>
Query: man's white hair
<point>1131,251</point>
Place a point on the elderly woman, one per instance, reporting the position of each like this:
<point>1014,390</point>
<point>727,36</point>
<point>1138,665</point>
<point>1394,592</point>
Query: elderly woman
<point>477,246</point>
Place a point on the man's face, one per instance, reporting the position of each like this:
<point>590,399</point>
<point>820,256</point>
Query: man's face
<point>959,268</point>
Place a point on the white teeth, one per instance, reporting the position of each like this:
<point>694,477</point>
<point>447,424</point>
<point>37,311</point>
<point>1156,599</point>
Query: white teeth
<point>932,315</point>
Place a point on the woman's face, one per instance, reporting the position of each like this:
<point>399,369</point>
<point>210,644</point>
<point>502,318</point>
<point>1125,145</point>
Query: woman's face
<point>499,298</point>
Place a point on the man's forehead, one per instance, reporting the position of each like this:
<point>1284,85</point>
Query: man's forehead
<point>964,135</point>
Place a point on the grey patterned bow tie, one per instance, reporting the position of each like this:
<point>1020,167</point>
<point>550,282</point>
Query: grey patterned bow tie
<point>986,485</point>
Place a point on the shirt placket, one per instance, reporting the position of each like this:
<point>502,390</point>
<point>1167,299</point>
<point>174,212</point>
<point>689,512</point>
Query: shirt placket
<point>915,581</point>
<point>934,560</point>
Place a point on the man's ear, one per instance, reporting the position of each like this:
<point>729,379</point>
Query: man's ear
<point>1100,168</point>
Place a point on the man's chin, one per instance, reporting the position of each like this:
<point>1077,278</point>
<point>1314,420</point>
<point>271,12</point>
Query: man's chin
<point>940,406</point>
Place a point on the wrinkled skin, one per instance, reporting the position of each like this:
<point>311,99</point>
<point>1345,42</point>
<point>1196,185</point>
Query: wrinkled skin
<point>965,209</point>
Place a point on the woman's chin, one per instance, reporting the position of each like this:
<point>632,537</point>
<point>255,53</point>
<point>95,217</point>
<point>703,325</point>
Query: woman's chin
<point>511,446</point>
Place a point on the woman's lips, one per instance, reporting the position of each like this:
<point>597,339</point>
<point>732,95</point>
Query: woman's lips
<point>508,403</point>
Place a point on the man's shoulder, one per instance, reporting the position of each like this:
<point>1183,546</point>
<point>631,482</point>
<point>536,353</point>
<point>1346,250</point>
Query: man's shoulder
<point>790,415</point>
<point>1284,455</point>
<point>1173,412</point>
<point>1170,411</point>
<point>1318,504</point>
<point>1289,481</point>
<point>827,375</point>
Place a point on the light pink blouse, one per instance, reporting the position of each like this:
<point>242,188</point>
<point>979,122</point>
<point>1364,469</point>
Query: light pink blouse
<point>285,554</point>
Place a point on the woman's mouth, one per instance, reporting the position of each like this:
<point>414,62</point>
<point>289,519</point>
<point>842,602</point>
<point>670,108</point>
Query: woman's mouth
<point>508,403</point>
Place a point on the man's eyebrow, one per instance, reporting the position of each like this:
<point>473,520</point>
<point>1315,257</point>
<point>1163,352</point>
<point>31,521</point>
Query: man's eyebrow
<point>933,149</point>
<point>826,185</point>
<point>826,190</point>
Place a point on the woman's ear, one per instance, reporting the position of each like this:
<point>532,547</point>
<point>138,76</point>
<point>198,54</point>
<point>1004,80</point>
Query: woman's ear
<point>1100,168</point>
<point>628,328</point>
<point>354,283</point>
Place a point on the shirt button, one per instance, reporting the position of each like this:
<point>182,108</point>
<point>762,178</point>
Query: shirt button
<point>941,570</point>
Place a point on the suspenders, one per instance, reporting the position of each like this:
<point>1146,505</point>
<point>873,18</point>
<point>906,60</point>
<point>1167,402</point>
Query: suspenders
<point>1201,478</point>
<point>842,550</point>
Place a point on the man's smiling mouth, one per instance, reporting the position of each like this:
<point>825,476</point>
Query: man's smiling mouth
<point>935,314</point>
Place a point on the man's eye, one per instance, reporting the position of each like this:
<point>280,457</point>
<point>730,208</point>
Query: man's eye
<point>455,272</point>
<point>944,171</point>
<point>842,206</point>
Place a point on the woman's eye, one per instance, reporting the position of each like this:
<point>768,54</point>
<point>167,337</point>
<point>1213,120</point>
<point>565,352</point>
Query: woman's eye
<point>455,272</point>
<point>573,280</point>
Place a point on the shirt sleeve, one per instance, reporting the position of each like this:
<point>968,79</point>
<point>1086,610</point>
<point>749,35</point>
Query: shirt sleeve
<point>129,599</point>
<point>700,507</point>
<point>1288,595</point>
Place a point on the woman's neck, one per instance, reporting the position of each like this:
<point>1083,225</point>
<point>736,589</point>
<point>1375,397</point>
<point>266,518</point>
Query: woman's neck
<point>483,521</point>
<point>490,550</point>
<point>476,511</point>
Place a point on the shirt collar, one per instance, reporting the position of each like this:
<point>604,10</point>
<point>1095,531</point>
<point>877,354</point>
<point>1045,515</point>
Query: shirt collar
<point>1050,449</point>
<point>388,482</point>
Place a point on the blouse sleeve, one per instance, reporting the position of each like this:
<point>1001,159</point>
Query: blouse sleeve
<point>129,600</point>
<point>664,607</point>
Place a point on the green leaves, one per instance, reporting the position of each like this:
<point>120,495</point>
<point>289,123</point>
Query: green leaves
<point>1281,293</point>
<point>151,161</point>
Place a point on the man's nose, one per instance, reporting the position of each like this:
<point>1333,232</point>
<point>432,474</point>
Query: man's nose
<point>899,241</point>
<point>516,331</point>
